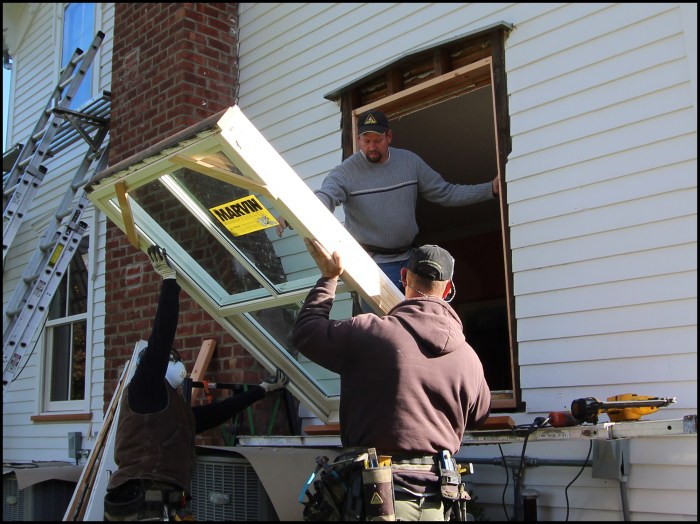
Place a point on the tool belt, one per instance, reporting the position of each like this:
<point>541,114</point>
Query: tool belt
<point>143,500</point>
<point>452,489</point>
<point>346,489</point>
<point>419,460</point>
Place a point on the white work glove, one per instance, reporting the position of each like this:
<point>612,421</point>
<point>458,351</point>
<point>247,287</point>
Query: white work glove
<point>274,382</point>
<point>159,259</point>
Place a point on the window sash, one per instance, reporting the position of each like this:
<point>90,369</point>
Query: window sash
<point>66,339</point>
<point>78,32</point>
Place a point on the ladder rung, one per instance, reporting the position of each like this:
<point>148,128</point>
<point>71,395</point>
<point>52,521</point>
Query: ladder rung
<point>79,54</point>
<point>31,278</point>
<point>35,138</point>
<point>45,246</point>
<point>27,169</point>
<point>66,82</point>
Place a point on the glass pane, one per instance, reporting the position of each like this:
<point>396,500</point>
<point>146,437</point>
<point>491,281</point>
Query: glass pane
<point>278,322</point>
<point>245,219</point>
<point>79,31</point>
<point>77,383</point>
<point>170,214</point>
<point>70,297</point>
<point>60,362</point>
<point>57,308</point>
<point>68,353</point>
<point>78,279</point>
<point>229,231</point>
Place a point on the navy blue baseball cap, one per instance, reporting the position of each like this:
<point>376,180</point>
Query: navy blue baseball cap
<point>372,121</point>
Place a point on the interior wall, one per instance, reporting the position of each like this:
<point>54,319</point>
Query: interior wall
<point>457,139</point>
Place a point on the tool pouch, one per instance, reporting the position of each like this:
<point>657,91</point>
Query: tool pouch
<point>378,489</point>
<point>124,505</point>
<point>450,481</point>
<point>335,490</point>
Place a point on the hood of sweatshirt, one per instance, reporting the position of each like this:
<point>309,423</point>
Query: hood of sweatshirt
<point>432,322</point>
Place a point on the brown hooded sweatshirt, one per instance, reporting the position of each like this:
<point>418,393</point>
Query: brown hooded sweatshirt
<point>410,382</point>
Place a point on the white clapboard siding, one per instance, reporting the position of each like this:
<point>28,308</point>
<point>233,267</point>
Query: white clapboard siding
<point>599,346</point>
<point>579,42</point>
<point>611,294</point>
<point>676,258</point>
<point>613,371</point>
<point>609,218</point>
<point>630,239</point>
<point>639,159</point>
<point>601,188</point>
<point>593,195</point>
<point>35,75</point>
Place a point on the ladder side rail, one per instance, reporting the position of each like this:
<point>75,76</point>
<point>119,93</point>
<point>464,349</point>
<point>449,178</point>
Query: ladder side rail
<point>33,316</point>
<point>18,205</point>
<point>51,234</point>
<point>77,184</point>
<point>79,180</point>
<point>49,123</point>
<point>95,114</point>
<point>85,61</point>
<point>39,136</point>
<point>38,261</point>
<point>32,176</point>
<point>81,176</point>
<point>46,114</point>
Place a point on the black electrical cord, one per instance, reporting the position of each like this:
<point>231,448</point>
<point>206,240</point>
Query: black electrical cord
<point>503,495</point>
<point>566,494</point>
<point>536,424</point>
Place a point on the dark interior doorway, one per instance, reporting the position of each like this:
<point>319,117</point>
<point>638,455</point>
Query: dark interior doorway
<point>456,137</point>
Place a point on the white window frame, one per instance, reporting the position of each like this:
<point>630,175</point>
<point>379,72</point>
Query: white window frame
<point>46,340</point>
<point>86,40</point>
<point>228,148</point>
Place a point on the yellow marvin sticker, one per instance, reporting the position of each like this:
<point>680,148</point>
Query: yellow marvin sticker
<point>244,216</point>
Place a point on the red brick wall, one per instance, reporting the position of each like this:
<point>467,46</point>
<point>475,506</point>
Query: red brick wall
<point>173,65</point>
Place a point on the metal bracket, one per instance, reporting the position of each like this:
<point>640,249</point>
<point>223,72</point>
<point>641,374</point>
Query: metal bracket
<point>611,459</point>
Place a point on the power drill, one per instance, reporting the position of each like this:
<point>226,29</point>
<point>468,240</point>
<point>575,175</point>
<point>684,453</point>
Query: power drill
<point>619,408</point>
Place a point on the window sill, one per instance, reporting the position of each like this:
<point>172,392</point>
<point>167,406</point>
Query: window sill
<point>62,417</point>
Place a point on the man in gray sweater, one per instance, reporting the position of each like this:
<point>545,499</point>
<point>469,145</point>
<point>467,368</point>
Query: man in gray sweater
<point>410,383</point>
<point>378,187</point>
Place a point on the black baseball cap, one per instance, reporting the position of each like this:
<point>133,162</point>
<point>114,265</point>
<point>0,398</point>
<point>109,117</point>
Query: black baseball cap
<point>372,121</point>
<point>432,262</point>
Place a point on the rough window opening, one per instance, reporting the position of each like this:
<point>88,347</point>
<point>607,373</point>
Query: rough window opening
<point>448,104</point>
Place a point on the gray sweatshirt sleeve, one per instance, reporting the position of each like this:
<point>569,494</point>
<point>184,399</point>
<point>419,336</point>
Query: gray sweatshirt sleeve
<point>436,189</point>
<point>332,193</point>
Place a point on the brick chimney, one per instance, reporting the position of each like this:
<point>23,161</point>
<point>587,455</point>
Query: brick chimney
<point>173,65</point>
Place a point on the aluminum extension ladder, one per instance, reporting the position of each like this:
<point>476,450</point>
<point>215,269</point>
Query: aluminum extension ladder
<point>28,172</point>
<point>28,306</point>
<point>27,309</point>
<point>33,314</point>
